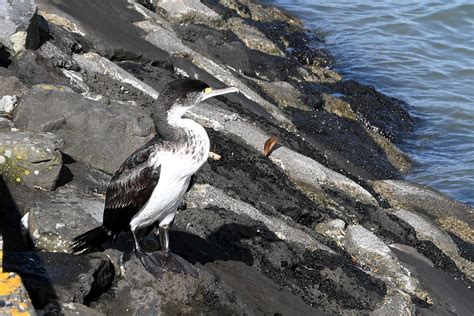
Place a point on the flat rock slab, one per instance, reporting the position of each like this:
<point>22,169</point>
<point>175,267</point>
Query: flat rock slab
<point>258,293</point>
<point>182,9</point>
<point>30,158</point>
<point>454,217</point>
<point>60,276</point>
<point>449,296</point>
<point>204,196</point>
<point>109,26</point>
<point>429,231</point>
<point>422,199</point>
<point>94,63</point>
<point>102,135</point>
<point>372,252</point>
<point>53,224</point>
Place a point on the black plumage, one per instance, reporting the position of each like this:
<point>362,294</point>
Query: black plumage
<point>127,192</point>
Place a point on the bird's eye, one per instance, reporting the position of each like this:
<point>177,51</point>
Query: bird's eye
<point>207,90</point>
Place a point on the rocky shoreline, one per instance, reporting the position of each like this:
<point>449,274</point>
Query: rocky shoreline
<point>324,224</point>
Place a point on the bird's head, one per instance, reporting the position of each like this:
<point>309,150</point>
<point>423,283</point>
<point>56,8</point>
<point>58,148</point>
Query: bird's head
<point>181,95</point>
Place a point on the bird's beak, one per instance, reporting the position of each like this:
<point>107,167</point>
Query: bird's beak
<point>210,93</point>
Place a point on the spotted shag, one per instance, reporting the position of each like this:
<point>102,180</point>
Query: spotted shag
<point>149,186</point>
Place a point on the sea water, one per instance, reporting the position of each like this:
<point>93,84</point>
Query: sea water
<point>421,52</point>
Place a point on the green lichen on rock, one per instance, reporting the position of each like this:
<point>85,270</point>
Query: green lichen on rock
<point>339,107</point>
<point>31,159</point>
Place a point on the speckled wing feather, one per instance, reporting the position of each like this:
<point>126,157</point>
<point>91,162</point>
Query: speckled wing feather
<point>130,188</point>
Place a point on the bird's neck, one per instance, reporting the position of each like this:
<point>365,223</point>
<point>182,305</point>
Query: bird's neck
<point>171,126</point>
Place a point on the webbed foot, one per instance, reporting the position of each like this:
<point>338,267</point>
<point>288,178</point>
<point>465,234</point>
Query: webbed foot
<point>159,262</point>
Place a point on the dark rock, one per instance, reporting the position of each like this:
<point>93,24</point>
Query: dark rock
<point>31,69</point>
<point>306,47</point>
<point>147,4</point>
<point>5,60</point>
<point>247,175</point>
<point>252,37</point>
<point>254,256</point>
<point>312,57</point>
<point>227,48</point>
<point>151,74</point>
<point>388,115</point>
<point>237,238</point>
<point>37,32</point>
<point>222,288</point>
<point>120,42</point>
<point>57,58</point>
<point>121,89</point>
<point>346,143</point>
<point>59,276</point>
<point>272,298</point>
<point>79,121</point>
<point>53,223</point>
<point>448,295</point>
<point>68,42</point>
<point>82,177</point>
<point>6,124</point>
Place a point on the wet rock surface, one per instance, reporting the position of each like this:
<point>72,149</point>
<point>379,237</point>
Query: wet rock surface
<point>322,224</point>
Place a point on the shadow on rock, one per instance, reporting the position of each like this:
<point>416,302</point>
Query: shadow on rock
<point>196,249</point>
<point>13,241</point>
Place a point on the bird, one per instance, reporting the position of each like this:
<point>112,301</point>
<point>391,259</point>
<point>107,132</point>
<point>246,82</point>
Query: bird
<point>149,186</point>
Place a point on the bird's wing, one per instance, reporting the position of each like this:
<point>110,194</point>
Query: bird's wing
<point>130,187</point>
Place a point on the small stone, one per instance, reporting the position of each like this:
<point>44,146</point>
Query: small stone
<point>8,103</point>
<point>18,41</point>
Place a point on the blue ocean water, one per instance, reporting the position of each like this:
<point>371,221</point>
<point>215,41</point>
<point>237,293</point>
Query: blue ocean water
<point>421,52</point>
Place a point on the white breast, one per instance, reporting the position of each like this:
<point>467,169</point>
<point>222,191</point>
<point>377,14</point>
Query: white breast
<point>176,170</point>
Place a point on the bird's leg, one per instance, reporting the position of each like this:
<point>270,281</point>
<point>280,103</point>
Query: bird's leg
<point>137,244</point>
<point>151,263</point>
<point>158,262</point>
<point>165,239</point>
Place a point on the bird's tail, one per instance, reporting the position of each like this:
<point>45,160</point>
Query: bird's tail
<point>92,238</point>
